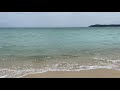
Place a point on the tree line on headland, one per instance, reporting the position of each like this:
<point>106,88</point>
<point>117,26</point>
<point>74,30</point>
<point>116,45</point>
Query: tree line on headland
<point>110,25</point>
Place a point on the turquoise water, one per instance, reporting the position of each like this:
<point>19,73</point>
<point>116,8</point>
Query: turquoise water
<point>33,50</point>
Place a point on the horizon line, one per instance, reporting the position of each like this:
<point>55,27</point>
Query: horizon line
<point>42,27</point>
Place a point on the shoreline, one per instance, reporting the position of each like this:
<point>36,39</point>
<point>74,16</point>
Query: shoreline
<point>94,73</point>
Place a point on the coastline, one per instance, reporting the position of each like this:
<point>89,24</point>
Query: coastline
<point>94,73</point>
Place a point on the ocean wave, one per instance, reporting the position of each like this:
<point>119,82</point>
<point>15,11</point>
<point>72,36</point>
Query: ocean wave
<point>18,72</point>
<point>60,66</point>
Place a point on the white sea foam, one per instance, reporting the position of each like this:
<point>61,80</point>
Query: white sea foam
<point>60,66</point>
<point>77,67</point>
<point>3,76</point>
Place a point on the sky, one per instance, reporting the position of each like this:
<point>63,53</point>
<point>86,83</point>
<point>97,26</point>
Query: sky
<point>57,19</point>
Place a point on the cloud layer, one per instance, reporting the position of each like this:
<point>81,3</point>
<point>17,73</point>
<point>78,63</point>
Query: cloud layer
<point>57,19</point>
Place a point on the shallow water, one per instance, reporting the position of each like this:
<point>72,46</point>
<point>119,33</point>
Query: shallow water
<point>32,50</point>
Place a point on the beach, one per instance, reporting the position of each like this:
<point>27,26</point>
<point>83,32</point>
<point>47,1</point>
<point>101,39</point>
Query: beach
<point>86,52</point>
<point>94,73</point>
<point>59,45</point>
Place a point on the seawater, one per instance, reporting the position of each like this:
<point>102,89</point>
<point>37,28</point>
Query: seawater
<point>38,50</point>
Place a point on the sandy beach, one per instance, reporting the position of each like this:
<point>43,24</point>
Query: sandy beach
<point>96,73</point>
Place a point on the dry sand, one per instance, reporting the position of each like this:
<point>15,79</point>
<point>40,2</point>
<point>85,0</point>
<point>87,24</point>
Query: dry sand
<point>96,73</point>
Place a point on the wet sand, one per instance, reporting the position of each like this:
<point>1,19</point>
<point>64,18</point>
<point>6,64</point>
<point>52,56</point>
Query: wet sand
<point>96,73</point>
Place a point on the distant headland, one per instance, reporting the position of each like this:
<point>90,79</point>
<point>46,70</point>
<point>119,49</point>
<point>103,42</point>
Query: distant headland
<point>110,25</point>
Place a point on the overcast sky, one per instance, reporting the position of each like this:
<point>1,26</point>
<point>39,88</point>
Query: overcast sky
<point>57,19</point>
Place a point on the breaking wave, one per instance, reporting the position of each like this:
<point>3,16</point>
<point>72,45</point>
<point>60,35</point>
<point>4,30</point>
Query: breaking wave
<point>60,66</point>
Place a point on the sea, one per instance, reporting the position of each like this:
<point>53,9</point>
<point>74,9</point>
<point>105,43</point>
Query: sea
<point>38,50</point>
